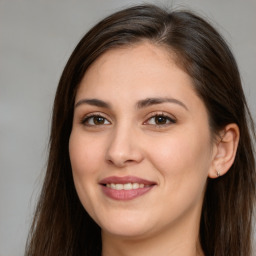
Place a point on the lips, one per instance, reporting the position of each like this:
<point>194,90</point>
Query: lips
<point>125,188</point>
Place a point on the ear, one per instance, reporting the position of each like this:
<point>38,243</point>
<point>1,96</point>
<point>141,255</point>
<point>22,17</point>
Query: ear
<point>224,152</point>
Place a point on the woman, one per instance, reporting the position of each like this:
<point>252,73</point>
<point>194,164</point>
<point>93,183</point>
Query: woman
<point>150,149</point>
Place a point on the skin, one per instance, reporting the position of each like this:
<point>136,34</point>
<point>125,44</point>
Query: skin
<point>178,153</point>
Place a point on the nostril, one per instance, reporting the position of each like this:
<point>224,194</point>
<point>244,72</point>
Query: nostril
<point>109,161</point>
<point>129,161</point>
<point>122,154</point>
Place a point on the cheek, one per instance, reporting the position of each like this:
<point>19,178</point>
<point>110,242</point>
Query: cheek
<point>183,164</point>
<point>84,157</point>
<point>85,153</point>
<point>182,156</point>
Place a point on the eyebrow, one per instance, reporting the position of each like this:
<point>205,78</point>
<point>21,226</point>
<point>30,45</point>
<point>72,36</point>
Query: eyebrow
<point>93,102</point>
<point>154,101</point>
<point>140,104</point>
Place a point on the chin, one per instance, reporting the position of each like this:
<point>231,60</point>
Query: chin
<point>124,226</point>
<point>126,232</point>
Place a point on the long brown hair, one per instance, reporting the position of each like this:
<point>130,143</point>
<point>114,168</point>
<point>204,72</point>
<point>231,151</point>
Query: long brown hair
<point>61,225</point>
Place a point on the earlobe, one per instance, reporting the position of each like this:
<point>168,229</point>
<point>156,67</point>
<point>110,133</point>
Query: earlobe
<point>225,152</point>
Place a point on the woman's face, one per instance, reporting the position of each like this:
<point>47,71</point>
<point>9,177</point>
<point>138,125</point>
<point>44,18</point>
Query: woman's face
<point>140,146</point>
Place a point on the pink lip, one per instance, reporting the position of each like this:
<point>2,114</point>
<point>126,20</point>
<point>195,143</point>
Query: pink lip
<point>125,194</point>
<point>126,179</point>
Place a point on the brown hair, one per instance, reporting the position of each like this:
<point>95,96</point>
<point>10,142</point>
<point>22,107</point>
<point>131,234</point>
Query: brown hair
<point>61,225</point>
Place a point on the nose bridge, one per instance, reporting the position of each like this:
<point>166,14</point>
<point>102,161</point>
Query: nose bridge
<point>123,145</point>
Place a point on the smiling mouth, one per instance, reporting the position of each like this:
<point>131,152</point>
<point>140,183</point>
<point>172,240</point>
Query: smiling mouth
<point>125,188</point>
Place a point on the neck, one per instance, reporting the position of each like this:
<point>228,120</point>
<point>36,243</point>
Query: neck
<point>171,242</point>
<point>138,248</point>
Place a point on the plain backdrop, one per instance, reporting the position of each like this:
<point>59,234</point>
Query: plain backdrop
<point>36,39</point>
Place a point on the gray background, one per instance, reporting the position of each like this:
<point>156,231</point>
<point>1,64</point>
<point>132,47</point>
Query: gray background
<point>36,38</point>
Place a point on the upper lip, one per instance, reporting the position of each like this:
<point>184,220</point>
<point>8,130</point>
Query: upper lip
<point>126,179</point>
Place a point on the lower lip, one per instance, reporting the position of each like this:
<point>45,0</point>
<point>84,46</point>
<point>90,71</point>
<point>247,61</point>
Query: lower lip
<point>125,194</point>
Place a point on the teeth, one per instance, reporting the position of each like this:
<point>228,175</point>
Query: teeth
<point>126,186</point>
<point>136,185</point>
<point>119,186</point>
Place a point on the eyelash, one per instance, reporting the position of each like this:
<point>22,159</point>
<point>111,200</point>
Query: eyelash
<point>85,121</point>
<point>166,117</point>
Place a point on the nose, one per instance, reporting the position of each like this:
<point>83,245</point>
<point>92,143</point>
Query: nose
<point>124,147</point>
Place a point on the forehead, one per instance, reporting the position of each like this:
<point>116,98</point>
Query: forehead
<point>144,63</point>
<point>136,72</point>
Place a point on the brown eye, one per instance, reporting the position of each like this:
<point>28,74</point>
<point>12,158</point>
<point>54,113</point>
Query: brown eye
<point>160,120</point>
<point>98,120</point>
<point>95,120</point>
